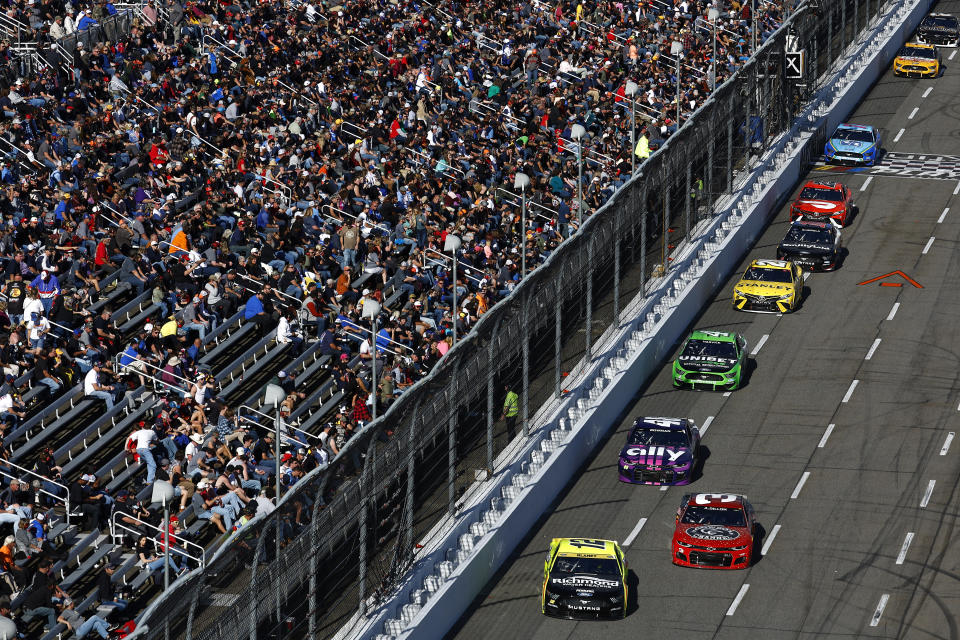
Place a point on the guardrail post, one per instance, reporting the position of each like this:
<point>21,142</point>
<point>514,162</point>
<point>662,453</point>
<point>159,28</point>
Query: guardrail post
<point>557,344</point>
<point>589,313</point>
<point>526,363</point>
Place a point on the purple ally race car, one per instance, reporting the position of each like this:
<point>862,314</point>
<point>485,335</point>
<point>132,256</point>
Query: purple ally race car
<point>660,451</point>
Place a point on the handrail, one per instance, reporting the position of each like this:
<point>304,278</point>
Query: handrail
<point>350,215</point>
<point>156,380</point>
<point>284,294</point>
<point>366,331</point>
<point>222,44</point>
<point>269,417</point>
<point>435,261</point>
<point>460,263</point>
<point>152,366</point>
<point>285,191</point>
<point>532,203</point>
<point>65,498</point>
<point>164,538</point>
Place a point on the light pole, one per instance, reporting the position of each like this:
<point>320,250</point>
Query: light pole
<point>631,89</point>
<point>371,309</point>
<point>713,14</point>
<point>676,50</point>
<point>522,181</point>
<point>452,244</point>
<point>163,493</point>
<point>577,132</point>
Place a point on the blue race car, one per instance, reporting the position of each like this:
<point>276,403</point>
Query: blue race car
<point>853,144</point>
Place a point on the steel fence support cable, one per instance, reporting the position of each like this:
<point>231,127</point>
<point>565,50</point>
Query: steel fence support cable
<point>589,314</point>
<point>452,441</point>
<point>526,362</point>
<point>687,197</point>
<point>557,335</point>
<point>617,241</point>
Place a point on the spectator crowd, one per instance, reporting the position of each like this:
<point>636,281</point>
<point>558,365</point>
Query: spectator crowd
<point>294,162</point>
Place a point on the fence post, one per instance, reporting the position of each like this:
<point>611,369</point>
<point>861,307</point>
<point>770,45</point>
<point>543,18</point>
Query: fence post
<point>617,241</point>
<point>191,613</point>
<point>526,362</point>
<point>686,199</point>
<point>643,240</point>
<point>589,313</point>
<point>557,344</point>
<point>729,154</point>
<point>830,34</point>
<point>710,192</point>
<point>856,15</point>
<point>364,487</point>
<point>254,565</point>
<point>275,567</point>
<point>452,442</point>
<point>843,26</point>
<point>411,478</point>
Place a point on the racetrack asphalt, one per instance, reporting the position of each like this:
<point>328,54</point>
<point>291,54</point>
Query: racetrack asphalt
<point>875,520</point>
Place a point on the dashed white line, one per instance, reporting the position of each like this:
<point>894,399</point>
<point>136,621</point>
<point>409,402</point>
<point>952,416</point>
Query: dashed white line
<point>866,183</point>
<point>769,540</point>
<point>826,435</point>
<point>913,113</point>
<point>946,443</point>
<point>952,53</point>
<point>929,244</point>
<point>873,349</point>
<point>927,92</point>
<point>956,189</point>
<point>875,620</point>
<point>706,425</point>
<point>846,396</point>
<point>927,494</point>
<point>806,274</point>
<point>727,394</point>
<point>893,312</point>
<point>803,481</point>
<point>736,601</point>
<point>664,488</point>
<point>762,341</point>
<point>904,547</point>
<point>899,135</point>
<point>943,215</point>
<point>636,531</point>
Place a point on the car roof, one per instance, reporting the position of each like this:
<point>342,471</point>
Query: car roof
<point>919,45</point>
<point>714,336</point>
<point>568,547</point>
<point>823,184</point>
<point>941,15</point>
<point>722,500</point>
<point>674,424</point>
<point>764,263</point>
<point>855,127</point>
<point>812,224</point>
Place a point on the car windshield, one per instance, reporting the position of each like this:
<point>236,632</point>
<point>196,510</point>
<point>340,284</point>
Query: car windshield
<point>809,236</point>
<point>908,51</point>
<point>726,516</point>
<point>940,21</point>
<point>659,437</point>
<point>699,348</point>
<point>816,193</point>
<point>853,135</point>
<point>760,274</point>
<point>590,566</point>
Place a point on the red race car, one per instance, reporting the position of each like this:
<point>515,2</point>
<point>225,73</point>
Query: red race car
<point>823,201</point>
<point>714,531</point>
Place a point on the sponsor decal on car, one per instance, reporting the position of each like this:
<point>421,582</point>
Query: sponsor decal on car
<point>712,532</point>
<point>582,581</point>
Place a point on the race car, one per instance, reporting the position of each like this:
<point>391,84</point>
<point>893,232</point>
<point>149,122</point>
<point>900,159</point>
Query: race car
<point>814,246</point>
<point>584,579</point>
<point>821,200</point>
<point>853,144</point>
<point>714,531</point>
<point>917,60</point>
<point>660,451</point>
<point>769,286</point>
<point>940,29</point>
<point>710,360</point>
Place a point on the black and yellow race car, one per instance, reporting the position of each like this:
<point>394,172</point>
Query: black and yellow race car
<point>917,60</point>
<point>584,579</point>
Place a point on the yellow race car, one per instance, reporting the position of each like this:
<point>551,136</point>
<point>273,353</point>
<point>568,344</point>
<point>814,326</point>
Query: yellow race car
<point>769,286</point>
<point>584,579</point>
<point>916,60</point>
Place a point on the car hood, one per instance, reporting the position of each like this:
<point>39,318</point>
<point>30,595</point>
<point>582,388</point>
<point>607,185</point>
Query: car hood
<point>656,456</point>
<point>706,363</point>
<point>915,59</point>
<point>715,536</point>
<point>756,288</point>
<point>806,248</point>
<point>818,206</point>
<point>854,146</point>
<point>935,28</point>
<point>584,585</point>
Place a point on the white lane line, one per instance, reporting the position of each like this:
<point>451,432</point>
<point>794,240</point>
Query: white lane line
<point>893,312</point>
<point>806,274</point>
<point>943,215</point>
<point>736,601</point>
<point>899,135</point>
<point>866,183</point>
<point>904,547</point>
<point>875,620</point>
<point>913,113</point>
<point>927,92</point>
<point>769,540</point>
<point>826,435</point>
<point>929,244</point>
<point>952,53</point>
<point>927,494</point>
<point>956,189</point>
<point>727,394</point>
<point>803,480</point>
<point>873,349</point>
<point>664,488</point>
<point>636,531</point>
<point>846,396</point>
<point>946,443</point>
<point>706,425</point>
<point>762,341</point>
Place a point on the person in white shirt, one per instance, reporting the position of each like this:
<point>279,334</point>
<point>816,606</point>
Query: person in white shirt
<point>93,388</point>
<point>144,438</point>
<point>287,334</point>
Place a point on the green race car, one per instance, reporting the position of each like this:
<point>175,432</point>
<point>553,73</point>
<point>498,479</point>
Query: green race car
<point>710,360</point>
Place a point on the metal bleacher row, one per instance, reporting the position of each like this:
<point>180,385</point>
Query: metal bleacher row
<point>85,438</point>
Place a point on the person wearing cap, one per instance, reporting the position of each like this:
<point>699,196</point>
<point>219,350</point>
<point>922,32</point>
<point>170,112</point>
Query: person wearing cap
<point>144,441</point>
<point>241,468</point>
<point>25,541</point>
<point>106,595</point>
<point>131,361</point>
<point>80,500</point>
<point>94,386</point>
<point>287,333</point>
<point>12,409</point>
<point>131,274</point>
<point>82,626</point>
<point>8,561</point>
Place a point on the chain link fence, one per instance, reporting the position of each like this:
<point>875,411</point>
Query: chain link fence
<point>347,533</point>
